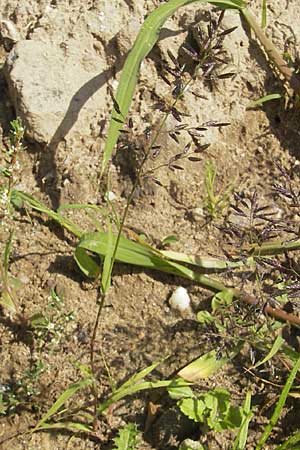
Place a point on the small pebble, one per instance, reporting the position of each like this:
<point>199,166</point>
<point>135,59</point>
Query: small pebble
<point>180,299</point>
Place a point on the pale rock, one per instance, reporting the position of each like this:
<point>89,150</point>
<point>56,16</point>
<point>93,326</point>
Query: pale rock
<point>53,93</point>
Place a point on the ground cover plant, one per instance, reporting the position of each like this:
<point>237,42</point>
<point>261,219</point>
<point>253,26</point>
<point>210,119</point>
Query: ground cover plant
<point>258,258</point>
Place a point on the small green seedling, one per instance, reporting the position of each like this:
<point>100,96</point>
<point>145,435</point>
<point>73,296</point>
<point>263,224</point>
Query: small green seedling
<point>213,409</point>
<point>50,327</point>
<point>127,438</point>
<point>214,204</point>
<point>8,283</point>
<point>11,168</point>
<point>21,391</point>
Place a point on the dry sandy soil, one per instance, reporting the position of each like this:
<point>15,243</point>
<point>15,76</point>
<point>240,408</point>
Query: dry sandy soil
<point>59,84</point>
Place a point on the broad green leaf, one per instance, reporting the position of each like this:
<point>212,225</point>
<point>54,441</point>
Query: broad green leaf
<point>205,262</point>
<point>202,367</point>
<point>146,39</point>
<point>221,299</point>
<point>275,347</point>
<point>214,409</point>
<point>86,263</point>
<point>193,408</point>
<point>264,99</point>
<point>189,444</point>
<point>127,438</point>
<point>180,388</point>
<point>207,364</point>
<point>62,399</point>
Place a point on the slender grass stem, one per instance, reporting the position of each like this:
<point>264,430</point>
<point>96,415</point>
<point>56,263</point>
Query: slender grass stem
<point>279,406</point>
<point>124,217</point>
<point>272,52</point>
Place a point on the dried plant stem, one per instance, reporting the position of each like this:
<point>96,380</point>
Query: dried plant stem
<point>276,313</point>
<point>272,52</point>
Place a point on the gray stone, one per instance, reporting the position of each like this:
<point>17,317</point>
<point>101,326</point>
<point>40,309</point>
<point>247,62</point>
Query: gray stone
<point>56,93</point>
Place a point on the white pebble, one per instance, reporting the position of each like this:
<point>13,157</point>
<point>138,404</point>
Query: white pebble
<point>111,196</point>
<point>180,299</point>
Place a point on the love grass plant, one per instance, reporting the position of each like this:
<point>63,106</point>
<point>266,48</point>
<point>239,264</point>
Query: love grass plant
<point>227,307</point>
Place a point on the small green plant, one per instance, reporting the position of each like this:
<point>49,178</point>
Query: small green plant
<point>127,438</point>
<point>8,283</point>
<point>21,392</point>
<point>213,409</point>
<point>214,204</point>
<point>51,326</point>
<point>11,167</point>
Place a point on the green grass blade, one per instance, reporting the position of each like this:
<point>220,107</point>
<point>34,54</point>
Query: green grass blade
<point>107,263</point>
<point>121,393</point>
<point>131,252</point>
<point>29,200</point>
<point>71,426</point>
<point>289,443</point>
<point>7,301</point>
<point>275,347</point>
<point>130,386</point>
<point>140,375</point>
<point>146,39</point>
<point>62,399</point>
<point>204,261</point>
<point>241,438</point>
<point>7,251</point>
<point>264,13</point>
<point>206,365</point>
<point>264,99</point>
<point>280,404</point>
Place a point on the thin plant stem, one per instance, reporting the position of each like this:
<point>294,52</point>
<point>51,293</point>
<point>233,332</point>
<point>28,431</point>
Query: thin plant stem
<point>122,224</point>
<point>101,299</point>
<point>272,52</point>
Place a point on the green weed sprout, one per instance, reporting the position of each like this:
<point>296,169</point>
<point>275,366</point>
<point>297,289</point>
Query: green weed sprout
<point>8,283</point>
<point>12,165</point>
<point>214,204</point>
<point>127,438</point>
<point>51,325</point>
